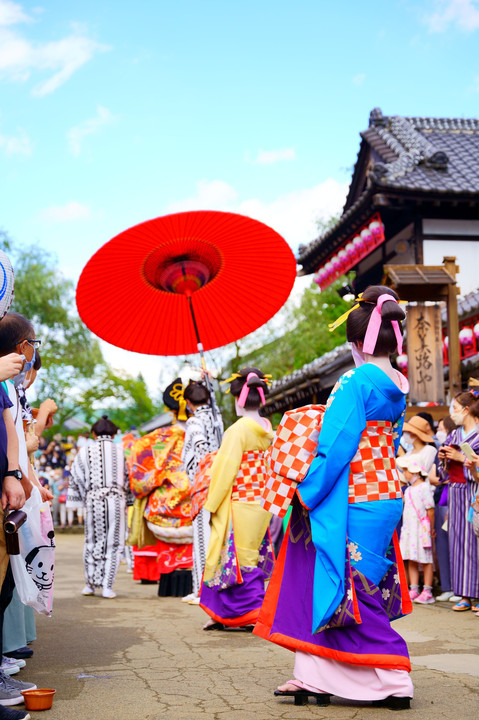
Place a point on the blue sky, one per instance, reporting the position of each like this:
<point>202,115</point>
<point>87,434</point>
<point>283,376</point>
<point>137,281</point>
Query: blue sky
<point>114,112</point>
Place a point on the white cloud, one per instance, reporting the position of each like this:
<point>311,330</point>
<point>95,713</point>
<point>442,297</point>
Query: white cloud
<point>359,79</point>
<point>464,14</point>
<point>210,195</point>
<point>20,58</point>
<point>77,133</point>
<point>269,157</point>
<point>292,215</point>
<point>19,144</point>
<point>11,13</point>
<point>65,213</point>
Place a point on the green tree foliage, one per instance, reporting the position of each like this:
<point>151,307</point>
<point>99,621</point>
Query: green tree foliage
<point>300,335</point>
<point>126,399</point>
<point>74,372</point>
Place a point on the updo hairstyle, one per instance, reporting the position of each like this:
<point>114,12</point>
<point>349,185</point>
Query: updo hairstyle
<point>197,393</point>
<point>104,426</point>
<point>358,319</point>
<point>253,401</point>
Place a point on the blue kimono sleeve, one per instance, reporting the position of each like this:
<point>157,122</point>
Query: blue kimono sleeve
<point>325,492</point>
<point>343,424</point>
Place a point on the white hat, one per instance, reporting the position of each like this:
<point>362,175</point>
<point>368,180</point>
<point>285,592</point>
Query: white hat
<point>411,463</point>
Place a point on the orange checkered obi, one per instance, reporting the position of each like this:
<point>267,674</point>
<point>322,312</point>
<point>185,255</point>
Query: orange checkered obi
<point>373,474</point>
<point>290,455</point>
<point>250,480</point>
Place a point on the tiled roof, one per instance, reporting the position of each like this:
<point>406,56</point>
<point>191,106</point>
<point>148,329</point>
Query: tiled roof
<point>417,155</point>
<point>311,370</point>
<point>431,154</point>
<point>466,306</point>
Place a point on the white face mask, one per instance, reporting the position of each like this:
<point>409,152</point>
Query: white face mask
<point>407,438</point>
<point>441,436</point>
<point>458,417</point>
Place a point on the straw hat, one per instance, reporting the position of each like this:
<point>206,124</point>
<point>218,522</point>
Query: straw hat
<point>410,462</point>
<point>419,426</point>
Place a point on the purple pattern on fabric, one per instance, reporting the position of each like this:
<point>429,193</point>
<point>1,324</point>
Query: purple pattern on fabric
<point>266,560</point>
<point>226,572</point>
<point>237,600</point>
<point>225,575</point>
<point>293,617</point>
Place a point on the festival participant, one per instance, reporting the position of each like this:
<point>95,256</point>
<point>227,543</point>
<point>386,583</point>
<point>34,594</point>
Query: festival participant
<point>162,507</point>
<point>99,482</point>
<point>201,437</point>
<point>348,505</point>
<point>463,544</point>
<point>240,555</point>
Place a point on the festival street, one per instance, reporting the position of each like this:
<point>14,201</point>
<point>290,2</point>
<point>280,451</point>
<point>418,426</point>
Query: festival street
<point>145,657</point>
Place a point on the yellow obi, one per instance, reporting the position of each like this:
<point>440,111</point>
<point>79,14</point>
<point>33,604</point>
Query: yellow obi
<point>373,474</point>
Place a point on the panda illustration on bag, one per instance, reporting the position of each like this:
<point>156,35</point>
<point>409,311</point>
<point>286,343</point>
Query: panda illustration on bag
<point>40,564</point>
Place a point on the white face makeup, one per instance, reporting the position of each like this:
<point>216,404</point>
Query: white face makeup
<point>358,355</point>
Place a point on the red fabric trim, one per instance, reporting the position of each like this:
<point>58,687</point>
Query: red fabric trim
<point>248,619</point>
<point>357,614</point>
<point>301,501</point>
<point>406,600</point>
<point>387,662</point>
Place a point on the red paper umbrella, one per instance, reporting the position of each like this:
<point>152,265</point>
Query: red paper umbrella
<point>146,289</point>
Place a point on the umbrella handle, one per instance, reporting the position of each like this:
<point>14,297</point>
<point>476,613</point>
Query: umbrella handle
<point>207,379</point>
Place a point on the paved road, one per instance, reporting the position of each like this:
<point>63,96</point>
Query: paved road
<point>141,657</point>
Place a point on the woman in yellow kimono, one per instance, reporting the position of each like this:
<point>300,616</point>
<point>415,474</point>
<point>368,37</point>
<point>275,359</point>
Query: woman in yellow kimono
<point>240,555</point>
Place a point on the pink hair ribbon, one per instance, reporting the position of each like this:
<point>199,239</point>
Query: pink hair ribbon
<point>245,391</point>
<point>374,325</point>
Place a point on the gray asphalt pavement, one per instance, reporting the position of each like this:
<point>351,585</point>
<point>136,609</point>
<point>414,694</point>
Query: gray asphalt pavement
<point>141,657</point>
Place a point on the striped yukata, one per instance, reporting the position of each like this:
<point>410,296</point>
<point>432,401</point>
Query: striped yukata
<point>200,439</point>
<point>99,483</point>
<point>463,544</point>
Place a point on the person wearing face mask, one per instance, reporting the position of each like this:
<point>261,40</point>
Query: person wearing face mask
<point>463,544</point>
<point>418,434</point>
<point>17,336</point>
<point>441,488</point>
<point>240,555</point>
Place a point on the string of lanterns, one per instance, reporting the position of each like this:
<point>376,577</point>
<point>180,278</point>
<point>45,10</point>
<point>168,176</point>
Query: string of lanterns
<point>368,238</point>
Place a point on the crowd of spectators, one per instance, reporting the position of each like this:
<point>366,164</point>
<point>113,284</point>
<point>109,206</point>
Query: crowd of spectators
<point>53,460</point>
<point>440,484</point>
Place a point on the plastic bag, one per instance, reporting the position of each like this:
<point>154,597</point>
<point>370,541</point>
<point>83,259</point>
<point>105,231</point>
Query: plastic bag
<point>34,568</point>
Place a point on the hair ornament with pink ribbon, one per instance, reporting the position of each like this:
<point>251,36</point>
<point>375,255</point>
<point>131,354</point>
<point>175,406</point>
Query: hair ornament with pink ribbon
<point>236,376</point>
<point>375,320</point>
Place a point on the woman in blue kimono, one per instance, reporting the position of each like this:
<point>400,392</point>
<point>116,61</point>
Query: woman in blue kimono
<point>349,504</point>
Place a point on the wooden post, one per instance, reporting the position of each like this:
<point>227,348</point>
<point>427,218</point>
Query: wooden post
<point>424,351</point>
<point>454,353</point>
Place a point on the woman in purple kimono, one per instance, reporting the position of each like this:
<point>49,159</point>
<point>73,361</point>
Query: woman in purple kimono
<point>339,578</point>
<point>463,544</point>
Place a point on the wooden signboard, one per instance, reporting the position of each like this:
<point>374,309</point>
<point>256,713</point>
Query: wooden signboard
<point>424,351</point>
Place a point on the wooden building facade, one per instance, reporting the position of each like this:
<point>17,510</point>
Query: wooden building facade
<point>413,199</point>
